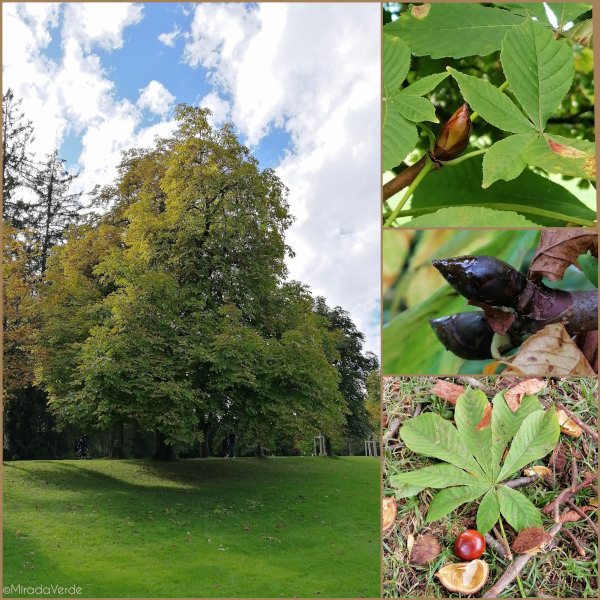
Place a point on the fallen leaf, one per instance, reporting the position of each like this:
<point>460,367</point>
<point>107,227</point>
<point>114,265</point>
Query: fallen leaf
<point>531,541</point>
<point>424,550</point>
<point>559,249</point>
<point>410,542</point>
<point>447,391</point>
<point>538,470</point>
<point>567,425</point>
<point>568,517</point>
<point>594,502</point>
<point>514,395</point>
<point>389,513</point>
<point>558,460</point>
<point>549,352</point>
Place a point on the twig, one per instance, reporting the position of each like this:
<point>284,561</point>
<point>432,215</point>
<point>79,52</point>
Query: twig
<point>393,429</point>
<point>574,477</point>
<point>503,543</point>
<point>584,515</point>
<point>573,539</point>
<point>593,488</point>
<point>497,546</point>
<point>514,569</point>
<point>583,426</point>
<point>403,179</point>
<point>521,481</point>
<point>568,492</point>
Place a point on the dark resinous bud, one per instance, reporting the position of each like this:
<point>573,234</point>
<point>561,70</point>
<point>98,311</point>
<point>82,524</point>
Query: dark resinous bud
<point>453,137</point>
<point>468,334</point>
<point>483,278</point>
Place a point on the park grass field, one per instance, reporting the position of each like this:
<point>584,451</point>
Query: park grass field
<point>249,527</point>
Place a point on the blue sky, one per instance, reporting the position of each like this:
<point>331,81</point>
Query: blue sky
<point>299,81</point>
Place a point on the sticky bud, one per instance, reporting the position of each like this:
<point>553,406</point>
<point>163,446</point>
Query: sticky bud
<point>453,137</point>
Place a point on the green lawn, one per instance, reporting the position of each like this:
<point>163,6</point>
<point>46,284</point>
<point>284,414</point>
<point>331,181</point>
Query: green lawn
<point>274,527</point>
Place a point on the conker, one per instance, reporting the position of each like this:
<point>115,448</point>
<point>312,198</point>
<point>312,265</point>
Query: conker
<point>469,545</point>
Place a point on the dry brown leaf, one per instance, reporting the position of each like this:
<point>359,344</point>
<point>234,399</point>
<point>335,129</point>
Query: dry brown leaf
<point>500,319</point>
<point>559,249</point>
<point>568,517</point>
<point>594,502</point>
<point>466,577</point>
<point>447,391</point>
<point>424,550</point>
<point>389,513</point>
<point>549,352</point>
<point>514,395</point>
<point>558,460</point>
<point>567,425</point>
<point>540,471</point>
<point>531,541</point>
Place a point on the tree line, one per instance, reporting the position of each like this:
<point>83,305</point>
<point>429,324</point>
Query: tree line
<point>166,308</point>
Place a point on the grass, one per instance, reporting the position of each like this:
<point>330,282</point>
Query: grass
<point>559,573</point>
<point>275,527</point>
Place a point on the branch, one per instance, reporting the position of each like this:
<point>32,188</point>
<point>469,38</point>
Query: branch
<point>584,515</point>
<point>568,492</point>
<point>521,481</point>
<point>403,179</point>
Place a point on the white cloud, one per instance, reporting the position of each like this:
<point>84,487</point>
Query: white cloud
<point>220,108</point>
<point>99,23</point>
<point>156,98</point>
<point>305,67</point>
<point>168,39</point>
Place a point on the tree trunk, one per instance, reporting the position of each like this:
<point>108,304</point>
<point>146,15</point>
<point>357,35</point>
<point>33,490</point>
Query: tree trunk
<point>260,451</point>
<point>204,446</point>
<point>348,448</point>
<point>117,436</point>
<point>327,447</point>
<point>163,451</point>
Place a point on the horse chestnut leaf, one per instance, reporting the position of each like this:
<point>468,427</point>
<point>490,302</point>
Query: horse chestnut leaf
<point>469,545</point>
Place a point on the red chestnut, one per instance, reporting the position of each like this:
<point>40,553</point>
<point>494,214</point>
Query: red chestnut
<point>469,545</point>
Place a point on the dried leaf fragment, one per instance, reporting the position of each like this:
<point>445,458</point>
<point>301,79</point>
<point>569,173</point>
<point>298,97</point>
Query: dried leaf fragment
<point>568,517</point>
<point>389,513</point>
<point>466,577</point>
<point>487,417</point>
<point>515,395</point>
<point>549,352</point>
<point>424,550</point>
<point>538,470</point>
<point>558,460</point>
<point>567,425</point>
<point>531,541</point>
<point>447,391</point>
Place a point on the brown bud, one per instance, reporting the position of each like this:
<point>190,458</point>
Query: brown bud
<point>453,137</point>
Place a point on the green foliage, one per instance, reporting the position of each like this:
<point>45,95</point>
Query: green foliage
<point>541,125</point>
<point>476,454</point>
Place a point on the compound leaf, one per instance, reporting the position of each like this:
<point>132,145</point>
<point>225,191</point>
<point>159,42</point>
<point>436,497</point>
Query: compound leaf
<point>395,63</point>
<point>414,108</point>
<point>399,136</point>
<point>518,511</point>
<point>539,69</point>
<point>504,159</point>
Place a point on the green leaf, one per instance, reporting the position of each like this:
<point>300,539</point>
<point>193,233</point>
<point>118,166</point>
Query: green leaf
<point>406,490</point>
<point>425,84</point>
<point>470,216</point>
<point>399,136</point>
<point>503,160</point>
<point>414,108</point>
<point>488,512</point>
<point>568,11</point>
<point>430,434</point>
<point>437,476</point>
<point>529,194</point>
<point>582,34</point>
<point>518,511</point>
<point>536,437</point>
<point>395,63</point>
<point>492,105</point>
<point>447,500</point>
<point>567,156</point>
<point>506,423</point>
<point>539,69</point>
<point>470,408</point>
<point>589,265</point>
<point>535,9</point>
<point>456,30</point>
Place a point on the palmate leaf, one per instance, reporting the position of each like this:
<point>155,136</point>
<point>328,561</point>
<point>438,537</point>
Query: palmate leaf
<point>447,500</point>
<point>504,160</point>
<point>436,476</point>
<point>536,437</point>
<point>470,408</point>
<point>539,69</point>
<point>407,490</point>
<point>506,423</point>
<point>431,435</point>
<point>517,509</point>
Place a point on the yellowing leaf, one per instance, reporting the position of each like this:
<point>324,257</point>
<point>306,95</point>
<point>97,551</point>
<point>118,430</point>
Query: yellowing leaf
<point>567,425</point>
